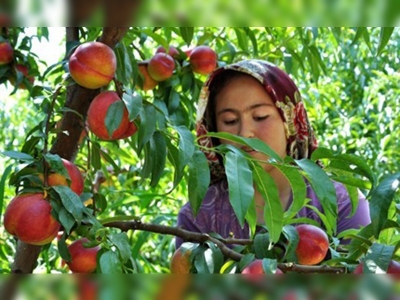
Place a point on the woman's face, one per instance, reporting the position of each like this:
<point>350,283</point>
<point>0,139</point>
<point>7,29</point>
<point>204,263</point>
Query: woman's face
<point>244,108</point>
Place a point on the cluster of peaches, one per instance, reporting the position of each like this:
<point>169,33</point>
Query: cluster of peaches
<point>7,58</point>
<point>28,217</point>
<point>93,65</point>
<point>202,60</point>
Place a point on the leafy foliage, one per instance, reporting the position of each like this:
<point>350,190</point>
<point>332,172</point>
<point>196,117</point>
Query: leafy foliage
<point>349,82</point>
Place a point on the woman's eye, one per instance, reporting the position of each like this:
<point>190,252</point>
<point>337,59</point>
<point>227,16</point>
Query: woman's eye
<point>230,122</point>
<point>261,118</point>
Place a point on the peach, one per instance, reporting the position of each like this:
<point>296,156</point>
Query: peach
<point>25,72</point>
<point>172,51</point>
<point>97,112</point>
<point>83,260</point>
<point>180,261</point>
<point>255,268</point>
<point>161,66</point>
<point>131,130</point>
<point>28,217</point>
<point>313,244</point>
<point>93,65</point>
<point>77,181</point>
<point>6,53</point>
<point>147,83</point>
<point>203,60</point>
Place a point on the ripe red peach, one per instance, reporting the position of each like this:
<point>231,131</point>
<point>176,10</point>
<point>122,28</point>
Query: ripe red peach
<point>93,65</point>
<point>172,51</point>
<point>161,66</point>
<point>203,60</point>
<point>6,53</point>
<point>147,82</point>
<point>180,261</point>
<point>28,217</point>
<point>83,259</point>
<point>255,268</point>
<point>313,244</point>
<point>97,112</point>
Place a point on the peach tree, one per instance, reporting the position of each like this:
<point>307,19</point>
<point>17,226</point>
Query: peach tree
<point>136,181</point>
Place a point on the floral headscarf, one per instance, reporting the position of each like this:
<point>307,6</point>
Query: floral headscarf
<point>301,141</point>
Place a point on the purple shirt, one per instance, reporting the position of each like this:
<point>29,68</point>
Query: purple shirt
<point>216,213</point>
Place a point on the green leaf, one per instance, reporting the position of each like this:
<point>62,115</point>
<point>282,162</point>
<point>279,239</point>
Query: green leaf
<point>71,201</point>
<point>156,37</point>
<point>173,157</point>
<point>133,103</point>
<point>292,236</point>
<point>66,219</point>
<point>253,40</point>
<point>147,125</point>
<point>63,248</point>
<point>378,258</point>
<point>56,164</point>
<point>353,194</point>
<point>202,260</point>
<point>186,146</point>
<point>269,265</point>
<point>359,33</point>
<point>124,69</point>
<point>273,211</point>
<point>120,240</point>
<point>110,160</point>
<point>324,189</point>
<point>251,218</point>
<point>158,150</point>
<point>299,189</point>
<point>214,257</point>
<point>199,180</point>
<point>95,155</point>
<point>384,38</point>
<point>246,260</point>
<point>240,182</point>
<point>187,34</point>
<point>3,179</point>
<point>262,245</point>
<point>109,263</point>
<point>254,143</point>
<point>114,116</point>
<point>360,243</point>
<point>18,155</point>
<point>241,39</point>
<point>380,199</point>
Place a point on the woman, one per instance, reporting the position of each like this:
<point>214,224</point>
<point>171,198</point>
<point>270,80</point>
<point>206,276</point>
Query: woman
<point>256,99</point>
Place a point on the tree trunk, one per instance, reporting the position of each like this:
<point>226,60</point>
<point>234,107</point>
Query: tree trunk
<point>66,145</point>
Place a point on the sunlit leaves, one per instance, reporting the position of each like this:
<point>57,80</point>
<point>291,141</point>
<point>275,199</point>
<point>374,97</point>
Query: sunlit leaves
<point>380,201</point>
<point>198,181</point>
<point>240,182</point>
<point>324,189</point>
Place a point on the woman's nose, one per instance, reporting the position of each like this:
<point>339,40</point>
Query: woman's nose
<point>246,130</point>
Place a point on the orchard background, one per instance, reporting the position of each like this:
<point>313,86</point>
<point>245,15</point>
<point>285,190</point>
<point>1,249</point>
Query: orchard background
<point>348,78</point>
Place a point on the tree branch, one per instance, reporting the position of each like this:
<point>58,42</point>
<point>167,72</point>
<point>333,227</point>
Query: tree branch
<point>190,236</point>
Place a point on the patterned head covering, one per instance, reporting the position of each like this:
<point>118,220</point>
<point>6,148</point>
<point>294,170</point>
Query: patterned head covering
<point>301,141</point>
